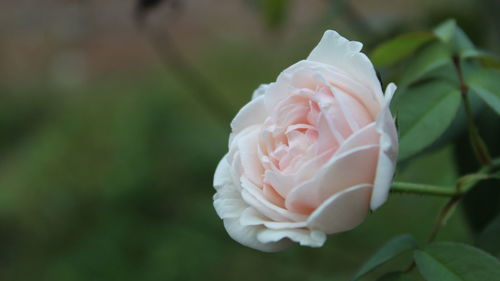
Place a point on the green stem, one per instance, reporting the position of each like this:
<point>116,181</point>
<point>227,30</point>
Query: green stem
<point>477,143</point>
<point>441,218</point>
<point>172,57</point>
<point>424,189</point>
<point>464,183</point>
<point>443,215</point>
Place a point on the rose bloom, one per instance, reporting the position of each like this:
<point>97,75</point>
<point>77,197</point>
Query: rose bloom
<point>311,153</point>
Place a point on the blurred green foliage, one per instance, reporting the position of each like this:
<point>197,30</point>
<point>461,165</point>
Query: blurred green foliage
<point>112,181</point>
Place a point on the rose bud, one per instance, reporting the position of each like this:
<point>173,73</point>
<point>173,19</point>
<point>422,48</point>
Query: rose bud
<point>311,153</point>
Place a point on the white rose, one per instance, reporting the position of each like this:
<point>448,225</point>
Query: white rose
<point>311,153</point>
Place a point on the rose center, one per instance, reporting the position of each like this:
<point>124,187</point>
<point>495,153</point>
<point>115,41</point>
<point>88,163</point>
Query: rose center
<point>303,133</point>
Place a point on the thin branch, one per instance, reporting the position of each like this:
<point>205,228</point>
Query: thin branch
<point>477,143</point>
<point>175,61</point>
<point>464,184</point>
<point>441,219</point>
<point>443,215</point>
<point>423,189</point>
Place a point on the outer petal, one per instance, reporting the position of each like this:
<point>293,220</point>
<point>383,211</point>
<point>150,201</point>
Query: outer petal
<point>248,236</point>
<point>254,197</point>
<point>342,211</point>
<point>277,231</point>
<point>222,174</point>
<point>368,135</point>
<point>230,207</point>
<point>304,237</point>
<point>341,172</point>
<point>250,216</point>
<point>261,90</point>
<point>248,142</point>
<point>345,55</point>
<point>308,74</point>
<point>252,113</point>
<point>388,151</point>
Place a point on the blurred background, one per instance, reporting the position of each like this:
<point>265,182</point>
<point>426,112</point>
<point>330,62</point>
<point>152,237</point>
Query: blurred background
<point>113,118</point>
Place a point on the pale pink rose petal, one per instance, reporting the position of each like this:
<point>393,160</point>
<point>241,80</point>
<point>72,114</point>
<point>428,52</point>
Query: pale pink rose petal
<point>334,117</point>
<point>222,175</point>
<point>277,231</point>
<point>252,113</point>
<point>230,206</point>
<point>276,93</point>
<point>351,203</point>
<point>345,55</point>
<point>310,167</point>
<point>227,200</point>
<point>309,70</point>
<point>249,236</point>
<point>228,203</point>
<point>329,136</point>
<point>371,98</point>
<point>310,153</point>
<point>248,142</point>
<point>283,183</point>
<point>250,216</point>
<point>354,111</point>
<point>273,196</point>
<point>388,151</point>
<point>254,197</point>
<point>368,135</point>
<point>261,90</point>
<point>234,161</point>
<point>340,173</point>
<point>304,237</point>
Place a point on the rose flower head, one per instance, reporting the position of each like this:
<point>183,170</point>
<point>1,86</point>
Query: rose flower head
<point>311,153</point>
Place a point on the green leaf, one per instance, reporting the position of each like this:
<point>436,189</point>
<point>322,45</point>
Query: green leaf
<point>486,84</point>
<point>390,250</point>
<point>425,112</point>
<point>446,30</point>
<point>400,47</point>
<point>448,261</point>
<point>395,276</point>
<point>462,44</point>
<point>450,33</point>
<point>428,59</point>
<point>459,125</point>
<point>488,60</point>
<point>489,239</point>
<point>480,54</point>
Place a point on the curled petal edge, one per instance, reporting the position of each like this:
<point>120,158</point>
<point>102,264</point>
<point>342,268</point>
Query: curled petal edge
<point>248,227</point>
<point>351,203</point>
<point>339,52</point>
<point>252,113</point>
<point>388,151</point>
